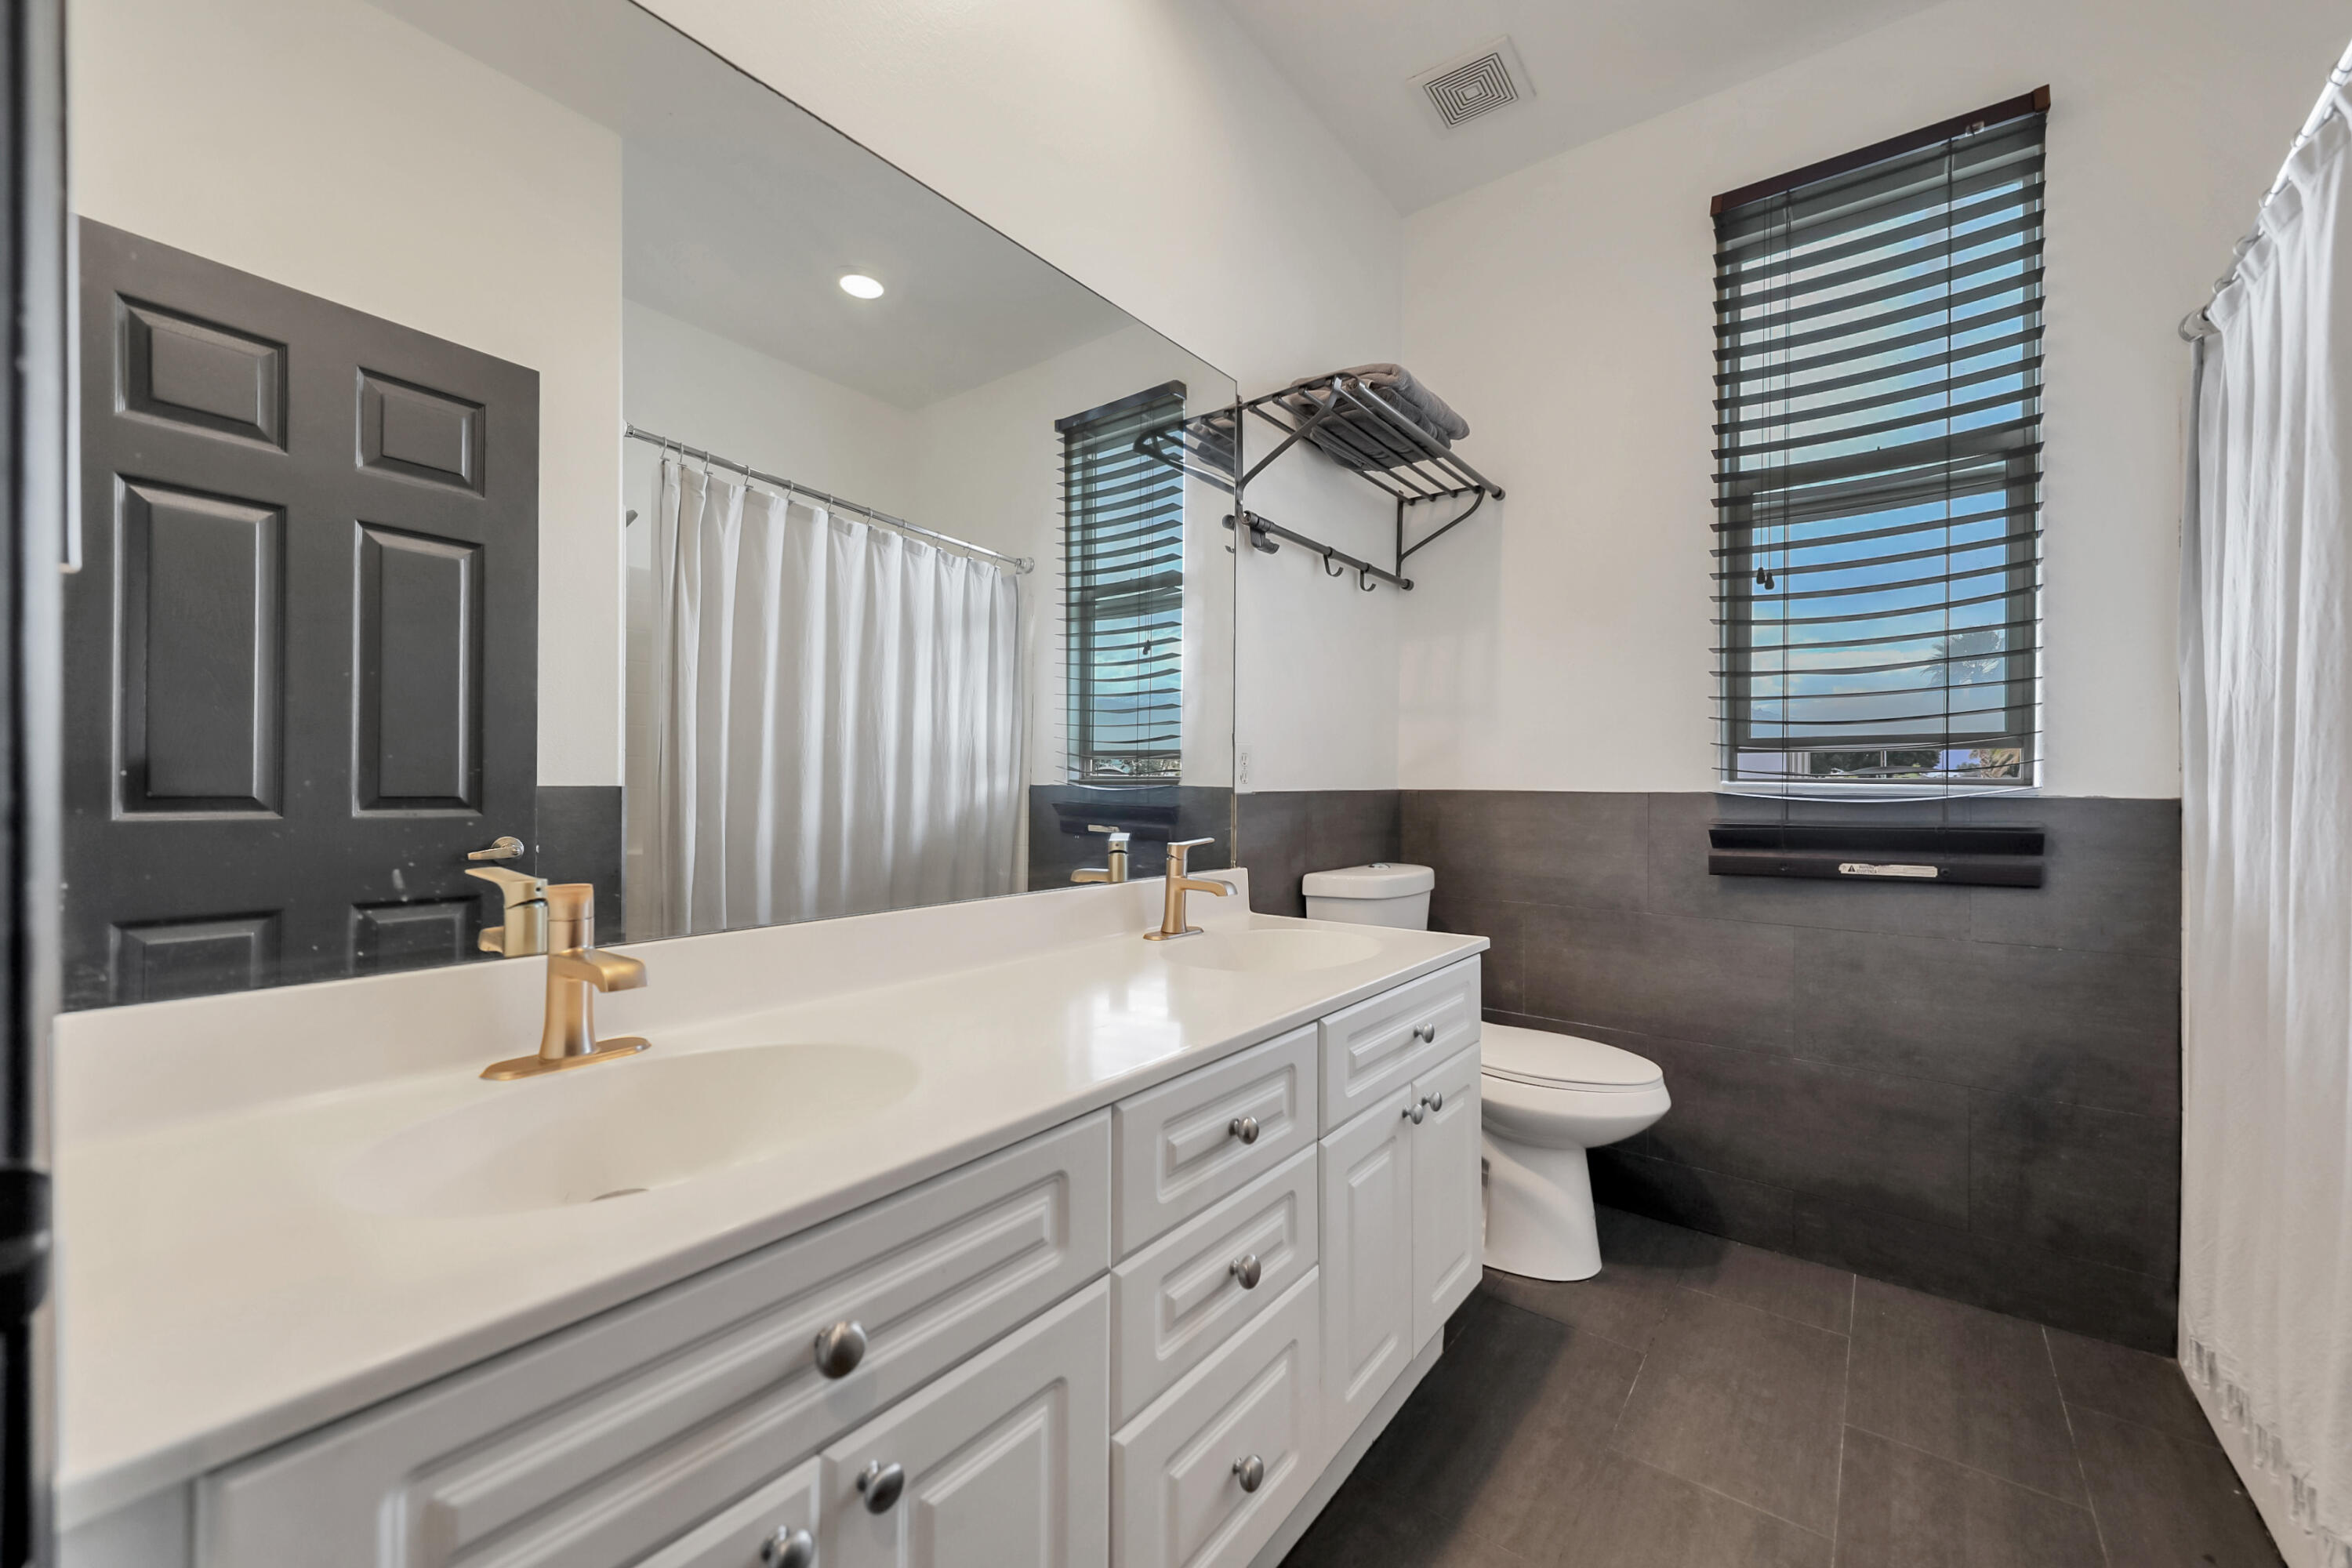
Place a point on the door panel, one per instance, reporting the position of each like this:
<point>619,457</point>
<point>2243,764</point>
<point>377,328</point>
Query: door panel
<point>1368,1317</point>
<point>302,653</point>
<point>1448,1228</point>
<point>1002,1458</point>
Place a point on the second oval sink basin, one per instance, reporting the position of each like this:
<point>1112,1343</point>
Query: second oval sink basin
<point>1271,951</point>
<point>620,1128</point>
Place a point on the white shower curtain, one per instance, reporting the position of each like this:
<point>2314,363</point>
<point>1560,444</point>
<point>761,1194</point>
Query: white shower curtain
<point>840,727</point>
<point>2266,667</point>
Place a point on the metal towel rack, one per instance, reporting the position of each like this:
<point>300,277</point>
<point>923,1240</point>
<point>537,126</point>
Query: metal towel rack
<point>1386,446</point>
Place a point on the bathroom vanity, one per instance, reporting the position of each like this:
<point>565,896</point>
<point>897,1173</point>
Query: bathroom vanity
<point>1057,1248</point>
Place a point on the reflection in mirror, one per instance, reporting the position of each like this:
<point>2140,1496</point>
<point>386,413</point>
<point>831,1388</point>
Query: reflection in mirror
<point>529,450</point>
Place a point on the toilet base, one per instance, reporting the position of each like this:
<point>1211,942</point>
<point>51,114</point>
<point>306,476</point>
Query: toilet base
<point>1539,1221</point>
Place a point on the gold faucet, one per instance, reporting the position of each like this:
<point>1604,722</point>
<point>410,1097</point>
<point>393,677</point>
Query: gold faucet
<point>576,969</point>
<point>1172,918</point>
<point>1114,868</point>
<point>523,933</point>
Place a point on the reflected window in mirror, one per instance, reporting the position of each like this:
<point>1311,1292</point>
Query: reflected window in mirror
<point>1123,559</point>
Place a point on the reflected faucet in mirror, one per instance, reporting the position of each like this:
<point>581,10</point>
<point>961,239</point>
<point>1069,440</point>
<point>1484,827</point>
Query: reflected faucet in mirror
<point>1114,868</point>
<point>523,899</point>
<point>576,970</point>
<point>1171,916</point>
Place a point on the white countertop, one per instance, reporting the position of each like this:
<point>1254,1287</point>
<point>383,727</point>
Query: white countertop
<point>215,1297</point>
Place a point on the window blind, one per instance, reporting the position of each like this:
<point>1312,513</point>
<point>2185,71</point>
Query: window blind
<point>1878,377</point>
<point>1123,567</point>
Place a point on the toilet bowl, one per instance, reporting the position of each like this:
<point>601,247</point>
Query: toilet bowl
<point>1547,1097</point>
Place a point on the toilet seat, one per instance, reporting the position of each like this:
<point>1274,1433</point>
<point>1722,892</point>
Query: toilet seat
<point>1542,1059</point>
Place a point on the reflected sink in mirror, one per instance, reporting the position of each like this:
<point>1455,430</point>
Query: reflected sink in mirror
<point>1272,951</point>
<point>615,1130</point>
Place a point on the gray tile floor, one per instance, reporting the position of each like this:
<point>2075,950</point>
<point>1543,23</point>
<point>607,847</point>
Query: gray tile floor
<point>1706,1405</point>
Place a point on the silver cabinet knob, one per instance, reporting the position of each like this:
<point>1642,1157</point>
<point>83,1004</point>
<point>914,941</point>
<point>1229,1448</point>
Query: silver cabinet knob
<point>881,1485</point>
<point>1243,1128</point>
<point>1416,1110</point>
<point>1245,1269</point>
<point>1251,1472</point>
<point>840,1348</point>
<point>788,1548</point>
<point>1437,1101</point>
<point>1425,1033</point>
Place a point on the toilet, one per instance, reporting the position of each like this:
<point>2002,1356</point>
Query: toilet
<point>1545,1097</point>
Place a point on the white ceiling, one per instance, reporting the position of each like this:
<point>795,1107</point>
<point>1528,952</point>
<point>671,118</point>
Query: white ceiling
<point>1597,66</point>
<point>740,211</point>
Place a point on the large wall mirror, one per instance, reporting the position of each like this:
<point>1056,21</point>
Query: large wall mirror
<point>515,441</point>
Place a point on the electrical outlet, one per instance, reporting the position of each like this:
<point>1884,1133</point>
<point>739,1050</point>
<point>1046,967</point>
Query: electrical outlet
<point>1241,767</point>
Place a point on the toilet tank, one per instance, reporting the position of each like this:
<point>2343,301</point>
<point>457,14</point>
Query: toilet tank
<point>1381,894</point>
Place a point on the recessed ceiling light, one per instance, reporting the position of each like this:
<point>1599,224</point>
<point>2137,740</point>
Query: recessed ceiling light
<point>861,285</point>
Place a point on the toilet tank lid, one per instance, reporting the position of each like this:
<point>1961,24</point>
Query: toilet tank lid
<point>1381,880</point>
<point>1541,1057</point>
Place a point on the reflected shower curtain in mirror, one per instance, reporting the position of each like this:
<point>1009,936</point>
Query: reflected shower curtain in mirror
<point>2266,775</point>
<point>840,725</point>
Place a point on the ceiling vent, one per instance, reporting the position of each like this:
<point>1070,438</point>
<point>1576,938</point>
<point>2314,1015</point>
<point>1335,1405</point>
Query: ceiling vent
<point>1488,78</point>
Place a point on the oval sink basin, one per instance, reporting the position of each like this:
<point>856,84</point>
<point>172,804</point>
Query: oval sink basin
<point>622,1128</point>
<point>1271,951</point>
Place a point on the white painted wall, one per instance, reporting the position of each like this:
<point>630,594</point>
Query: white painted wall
<point>1564,643</point>
<point>324,145</point>
<point>990,467</point>
<point>1149,149</point>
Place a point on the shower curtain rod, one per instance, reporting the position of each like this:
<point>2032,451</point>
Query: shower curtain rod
<point>2198,323</point>
<point>1020,564</point>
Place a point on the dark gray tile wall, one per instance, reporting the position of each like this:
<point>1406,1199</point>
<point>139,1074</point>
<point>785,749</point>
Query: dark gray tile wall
<point>581,839</point>
<point>1202,811</point>
<point>1971,1091</point>
<point>1284,834</point>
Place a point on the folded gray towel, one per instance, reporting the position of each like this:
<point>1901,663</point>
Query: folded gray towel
<point>1363,440</point>
<point>1431,411</point>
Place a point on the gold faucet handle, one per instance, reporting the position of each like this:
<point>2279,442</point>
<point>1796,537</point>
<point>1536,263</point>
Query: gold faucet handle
<point>1119,836</point>
<point>571,915</point>
<point>604,971</point>
<point>1179,850</point>
<point>522,932</point>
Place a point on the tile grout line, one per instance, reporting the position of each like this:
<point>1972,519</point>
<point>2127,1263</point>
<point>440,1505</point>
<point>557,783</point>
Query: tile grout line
<point>1845,1403</point>
<point>2083,1507</point>
<point>2075,1444</point>
<point>1800,1322</point>
<point>1735,1502</point>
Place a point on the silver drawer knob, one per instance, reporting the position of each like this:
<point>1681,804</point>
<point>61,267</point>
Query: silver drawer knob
<point>1425,1033</point>
<point>1243,1128</point>
<point>1245,1269</point>
<point>881,1485</point>
<point>1437,1101</point>
<point>1251,1472</point>
<point>1416,1110</point>
<point>788,1548</point>
<point>840,1348</point>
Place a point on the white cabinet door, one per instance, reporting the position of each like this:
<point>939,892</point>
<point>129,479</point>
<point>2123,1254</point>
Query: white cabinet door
<point>1000,1463</point>
<point>1368,1211</point>
<point>1448,1240</point>
<point>1204,1477</point>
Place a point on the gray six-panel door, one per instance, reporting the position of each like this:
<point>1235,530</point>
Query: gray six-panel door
<point>301,652</point>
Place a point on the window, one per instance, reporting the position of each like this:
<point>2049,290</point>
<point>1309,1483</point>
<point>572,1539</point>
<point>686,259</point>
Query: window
<point>1123,565</point>
<point>1879,376</point>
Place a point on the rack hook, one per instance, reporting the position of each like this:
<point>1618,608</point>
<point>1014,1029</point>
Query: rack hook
<point>1364,579</point>
<point>1330,570</point>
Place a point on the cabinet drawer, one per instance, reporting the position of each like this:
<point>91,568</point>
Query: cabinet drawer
<point>1378,1045</point>
<point>1176,1146</point>
<point>1180,1298</point>
<point>736,1538</point>
<point>1175,1470</point>
<point>596,1445</point>
<point>998,1463</point>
